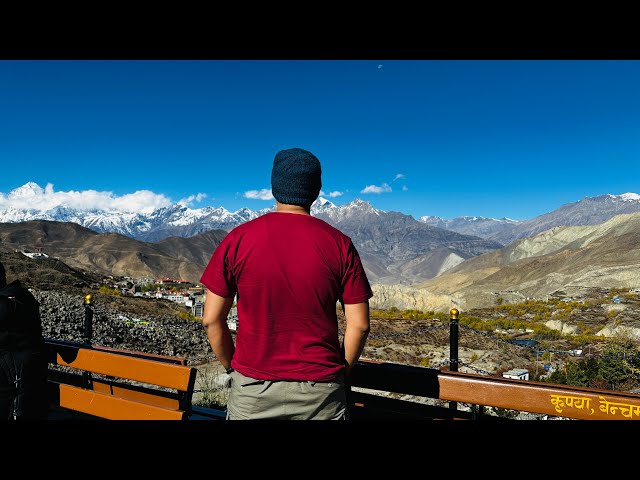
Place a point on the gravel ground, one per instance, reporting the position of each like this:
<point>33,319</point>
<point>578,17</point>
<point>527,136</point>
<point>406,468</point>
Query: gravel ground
<point>119,323</point>
<point>63,318</point>
<point>122,323</point>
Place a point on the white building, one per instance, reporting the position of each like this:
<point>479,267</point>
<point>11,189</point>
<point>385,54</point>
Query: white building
<point>517,373</point>
<point>197,309</point>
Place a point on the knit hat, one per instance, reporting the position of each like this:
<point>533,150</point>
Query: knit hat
<point>296,177</point>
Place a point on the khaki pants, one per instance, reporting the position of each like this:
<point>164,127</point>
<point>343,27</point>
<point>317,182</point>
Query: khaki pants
<point>251,399</point>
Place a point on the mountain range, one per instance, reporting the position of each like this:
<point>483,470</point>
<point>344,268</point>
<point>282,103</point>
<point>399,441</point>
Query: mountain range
<point>588,211</point>
<point>112,253</point>
<point>181,221</point>
<point>396,249</point>
<point>561,261</point>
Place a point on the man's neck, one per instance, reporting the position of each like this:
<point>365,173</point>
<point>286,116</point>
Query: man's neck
<point>287,208</point>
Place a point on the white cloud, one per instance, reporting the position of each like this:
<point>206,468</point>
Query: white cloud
<point>399,176</point>
<point>404,188</point>
<point>376,189</point>
<point>144,201</point>
<point>263,194</point>
<point>333,194</point>
<point>198,197</point>
<point>32,196</point>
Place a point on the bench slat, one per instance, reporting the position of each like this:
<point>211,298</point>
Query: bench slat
<point>150,356</point>
<point>112,407</point>
<point>132,368</point>
<point>138,396</point>
<point>117,384</point>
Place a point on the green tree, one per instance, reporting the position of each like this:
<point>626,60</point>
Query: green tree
<point>577,375</point>
<point>619,364</point>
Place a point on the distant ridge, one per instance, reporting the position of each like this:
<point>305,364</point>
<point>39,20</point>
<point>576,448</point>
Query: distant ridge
<point>561,260</point>
<point>112,253</point>
<point>180,221</point>
<point>588,211</point>
<point>395,248</point>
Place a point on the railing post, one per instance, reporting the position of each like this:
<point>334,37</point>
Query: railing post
<point>88,332</point>
<point>88,318</point>
<point>453,359</point>
<point>453,347</point>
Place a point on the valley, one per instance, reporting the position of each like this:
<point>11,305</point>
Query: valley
<point>559,325</point>
<point>569,287</point>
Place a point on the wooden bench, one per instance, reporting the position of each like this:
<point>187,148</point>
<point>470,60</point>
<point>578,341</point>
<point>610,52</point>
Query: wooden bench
<point>93,382</point>
<point>452,387</point>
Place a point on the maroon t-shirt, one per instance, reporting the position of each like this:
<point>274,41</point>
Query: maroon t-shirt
<point>289,271</point>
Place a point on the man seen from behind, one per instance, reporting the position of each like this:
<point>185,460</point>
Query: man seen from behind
<point>287,271</point>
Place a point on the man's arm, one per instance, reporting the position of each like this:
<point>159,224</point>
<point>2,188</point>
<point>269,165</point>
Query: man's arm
<point>214,321</point>
<point>356,332</point>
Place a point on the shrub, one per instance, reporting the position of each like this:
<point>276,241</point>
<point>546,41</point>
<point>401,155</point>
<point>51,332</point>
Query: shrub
<point>212,393</point>
<point>109,291</point>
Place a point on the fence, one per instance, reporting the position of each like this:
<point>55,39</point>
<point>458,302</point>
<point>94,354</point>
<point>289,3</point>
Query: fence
<point>391,390</point>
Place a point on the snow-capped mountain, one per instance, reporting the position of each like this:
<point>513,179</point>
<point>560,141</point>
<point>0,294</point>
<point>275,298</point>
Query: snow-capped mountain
<point>480,226</point>
<point>323,208</point>
<point>182,221</point>
<point>175,220</point>
<point>99,220</point>
<point>394,247</point>
<point>588,211</point>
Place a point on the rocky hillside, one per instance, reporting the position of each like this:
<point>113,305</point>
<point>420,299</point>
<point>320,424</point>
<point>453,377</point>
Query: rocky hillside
<point>588,211</point>
<point>136,323</point>
<point>394,247</point>
<point>111,253</point>
<point>122,323</point>
<point>567,259</point>
<point>397,249</point>
<point>560,259</point>
<point>133,324</point>
<point>45,273</point>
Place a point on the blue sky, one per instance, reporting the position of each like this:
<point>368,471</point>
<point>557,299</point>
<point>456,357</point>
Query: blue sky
<point>493,138</point>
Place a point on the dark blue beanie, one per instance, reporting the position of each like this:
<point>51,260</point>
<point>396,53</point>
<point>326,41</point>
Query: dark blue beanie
<point>296,177</point>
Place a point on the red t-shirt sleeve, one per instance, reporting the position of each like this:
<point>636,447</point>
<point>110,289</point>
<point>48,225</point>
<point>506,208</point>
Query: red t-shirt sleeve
<point>217,276</point>
<point>355,284</point>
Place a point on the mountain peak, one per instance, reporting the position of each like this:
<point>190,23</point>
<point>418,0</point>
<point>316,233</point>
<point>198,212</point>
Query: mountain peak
<point>629,197</point>
<point>29,189</point>
<point>321,201</point>
<point>361,204</point>
<point>624,197</point>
